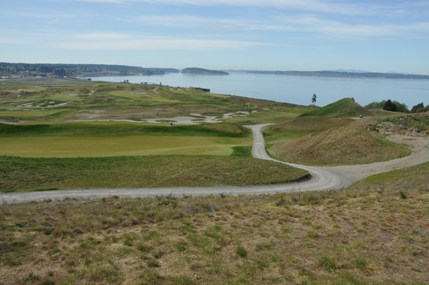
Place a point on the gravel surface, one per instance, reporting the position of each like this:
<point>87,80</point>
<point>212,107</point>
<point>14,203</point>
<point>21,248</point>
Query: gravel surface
<point>323,178</point>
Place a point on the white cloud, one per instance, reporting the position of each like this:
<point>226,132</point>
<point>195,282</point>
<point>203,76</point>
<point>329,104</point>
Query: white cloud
<point>335,29</point>
<point>299,23</point>
<point>11,40</point>
<point>105,41</point>
<point>333,7</point>
<point>182,21</point>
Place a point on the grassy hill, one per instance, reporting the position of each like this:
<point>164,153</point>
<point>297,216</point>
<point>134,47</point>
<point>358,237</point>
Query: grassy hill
<point>300,127</point>
<point>352,143</point>
<point>346,107</point>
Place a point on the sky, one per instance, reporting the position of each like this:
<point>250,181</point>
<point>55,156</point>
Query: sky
<point>303,35</point>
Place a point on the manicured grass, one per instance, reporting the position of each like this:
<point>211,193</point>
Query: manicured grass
<point>26,174</point>
<point>114,139</point>
<point>367,234</point>
<point>28,113</point>
<point>65,146</point>
<point>114,129</point>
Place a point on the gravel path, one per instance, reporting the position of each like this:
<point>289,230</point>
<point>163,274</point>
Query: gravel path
<point>323,178</point>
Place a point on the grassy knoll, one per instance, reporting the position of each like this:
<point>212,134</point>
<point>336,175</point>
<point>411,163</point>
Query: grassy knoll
<point>27,174</point>
<point>346,107</point>
<point>349,144</point>
<point>299,127</point>
<point>375,232</point>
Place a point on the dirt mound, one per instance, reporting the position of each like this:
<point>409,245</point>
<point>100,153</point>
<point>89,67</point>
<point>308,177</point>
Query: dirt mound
<point>350,144</point>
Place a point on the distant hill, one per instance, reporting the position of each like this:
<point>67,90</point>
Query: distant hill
<point>202,71</point>
<point>343,74</point>
<point>346,107</point>
<point>71,70</point>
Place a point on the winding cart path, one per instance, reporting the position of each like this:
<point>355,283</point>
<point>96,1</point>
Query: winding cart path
<point>322,178</point>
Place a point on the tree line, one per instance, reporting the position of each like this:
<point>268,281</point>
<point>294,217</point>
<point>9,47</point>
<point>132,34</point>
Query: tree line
<point>61,70</point>
<point>395,106</point>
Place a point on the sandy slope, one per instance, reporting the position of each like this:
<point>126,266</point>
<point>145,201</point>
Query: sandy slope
<point>323,178</point>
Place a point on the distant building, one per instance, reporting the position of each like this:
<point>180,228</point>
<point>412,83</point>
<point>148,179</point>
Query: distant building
<point>202,89</point>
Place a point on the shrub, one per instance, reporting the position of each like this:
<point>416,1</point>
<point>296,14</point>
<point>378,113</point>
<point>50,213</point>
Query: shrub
<point>360,263</point>
<point>313,234</point>
<point>328,262</point>
<point>241,251</point>
<point>153,263</point>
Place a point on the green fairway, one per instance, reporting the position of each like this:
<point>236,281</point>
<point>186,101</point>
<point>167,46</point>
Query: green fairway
<point>28,113</point>
<point>120,139</point>
<point>66,146</point>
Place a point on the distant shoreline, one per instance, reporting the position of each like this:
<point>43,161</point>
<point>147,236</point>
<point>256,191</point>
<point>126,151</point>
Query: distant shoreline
<point>338,74</point>
<point>60,70</point>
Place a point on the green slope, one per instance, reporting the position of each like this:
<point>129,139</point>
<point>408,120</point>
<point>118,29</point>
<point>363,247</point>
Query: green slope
<point>346,107</point>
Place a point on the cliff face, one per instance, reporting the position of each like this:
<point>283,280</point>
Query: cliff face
<point>202,71</point>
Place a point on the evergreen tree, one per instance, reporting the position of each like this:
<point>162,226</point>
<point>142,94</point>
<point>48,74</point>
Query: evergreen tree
<point>389,106</point>
<point>417,107</point>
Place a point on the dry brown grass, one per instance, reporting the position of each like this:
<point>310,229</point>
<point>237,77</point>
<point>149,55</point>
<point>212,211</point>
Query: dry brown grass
<point>312,124</point>
<point>348,144</point>
<point>375,232</point>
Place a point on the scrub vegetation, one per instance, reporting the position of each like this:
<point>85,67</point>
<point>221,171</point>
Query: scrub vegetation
<point>374,232</point>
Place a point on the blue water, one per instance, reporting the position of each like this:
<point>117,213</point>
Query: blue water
<point>296,89</point>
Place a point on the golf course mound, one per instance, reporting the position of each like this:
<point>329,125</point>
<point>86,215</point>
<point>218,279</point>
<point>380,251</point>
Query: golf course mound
<point>312,124</point>
<point>346,107</point>
<point>349,144</point>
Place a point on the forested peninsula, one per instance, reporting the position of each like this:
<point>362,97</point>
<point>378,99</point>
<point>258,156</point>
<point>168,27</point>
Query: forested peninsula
<point>342,74</point>
<point>73,70</point>
<point>202,71</point>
